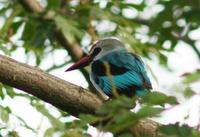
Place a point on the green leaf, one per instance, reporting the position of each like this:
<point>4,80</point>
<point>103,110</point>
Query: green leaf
<point>179,131</point>
<point>4,115</point>
<point>188,92</point>
<point>121,122</point>
<point>163,59</point>
<point>192,77</point>
<point>70,28</point>
<point>49,132</point>
<point>10,91</point>
<point>89,118</point>
<point>13,134</point>
<point>158,98</point>
<point>15,26</point>
<point>53,4</point>
<point>77,124</point>
<point>113,106</point>
<point>125,117</point>
<point>148,111</point>
<point>8,110</point>
<point>1,92</point>
<point>35,34</point>
<point>29,30</point>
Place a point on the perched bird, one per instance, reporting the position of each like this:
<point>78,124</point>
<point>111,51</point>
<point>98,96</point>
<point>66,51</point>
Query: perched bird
<point>112,66</point>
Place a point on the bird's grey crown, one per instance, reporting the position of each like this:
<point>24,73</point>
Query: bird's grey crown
<point>107,46</point>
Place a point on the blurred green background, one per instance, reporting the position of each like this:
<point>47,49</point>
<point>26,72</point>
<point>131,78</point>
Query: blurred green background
<point>54,33</point>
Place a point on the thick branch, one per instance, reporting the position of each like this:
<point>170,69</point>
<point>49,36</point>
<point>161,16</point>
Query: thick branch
<point>61,94</point>
<point>49,88</point>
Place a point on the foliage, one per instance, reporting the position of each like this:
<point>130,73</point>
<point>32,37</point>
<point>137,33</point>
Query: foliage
<point>35,35</point>
<point>177,130</point>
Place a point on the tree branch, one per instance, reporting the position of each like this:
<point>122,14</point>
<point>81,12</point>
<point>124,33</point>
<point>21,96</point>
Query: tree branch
<point>61,94</point>
<point>49,88</point>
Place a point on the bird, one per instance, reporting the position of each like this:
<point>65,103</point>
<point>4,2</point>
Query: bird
<point>113,68</point>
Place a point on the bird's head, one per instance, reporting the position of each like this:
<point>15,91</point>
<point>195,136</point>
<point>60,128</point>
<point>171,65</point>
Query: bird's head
<point>98,50</point>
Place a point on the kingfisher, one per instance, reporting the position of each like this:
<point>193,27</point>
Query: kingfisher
<point>114,68</point>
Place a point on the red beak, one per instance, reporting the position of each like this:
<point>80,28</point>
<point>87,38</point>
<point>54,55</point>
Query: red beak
<point>81,63</point>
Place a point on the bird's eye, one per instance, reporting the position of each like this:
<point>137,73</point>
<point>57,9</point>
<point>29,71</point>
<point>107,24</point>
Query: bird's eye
<point>96,51</point>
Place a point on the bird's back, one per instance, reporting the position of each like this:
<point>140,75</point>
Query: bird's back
<point>122,71</point>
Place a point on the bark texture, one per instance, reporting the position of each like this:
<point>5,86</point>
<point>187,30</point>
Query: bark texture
<point>62,94</point>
